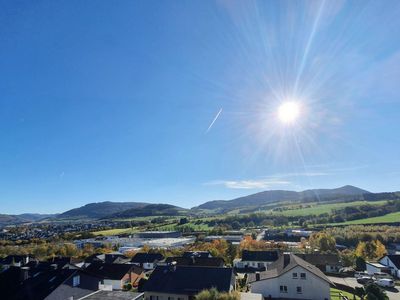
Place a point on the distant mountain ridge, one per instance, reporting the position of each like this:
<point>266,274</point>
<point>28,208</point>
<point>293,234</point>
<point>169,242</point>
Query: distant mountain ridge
<point>151,210</point>
<point>23,218</point>
<point>109,210</point>
<point>266,197</point>
<point>100,209</point>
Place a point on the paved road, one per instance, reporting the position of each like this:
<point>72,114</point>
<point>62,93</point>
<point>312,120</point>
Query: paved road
<point>394,294</point>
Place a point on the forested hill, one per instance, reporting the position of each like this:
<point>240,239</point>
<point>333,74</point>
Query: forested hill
<point>267,197</point>
<point>100,209</point>
<point>151,210</point>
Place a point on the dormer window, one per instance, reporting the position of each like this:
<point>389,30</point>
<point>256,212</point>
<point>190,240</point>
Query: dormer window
<point>76,280</point>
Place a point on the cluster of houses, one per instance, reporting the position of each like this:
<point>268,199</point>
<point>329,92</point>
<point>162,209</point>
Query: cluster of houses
<point>268,274</point>
<point>388,264</point>
<point>51,230</point>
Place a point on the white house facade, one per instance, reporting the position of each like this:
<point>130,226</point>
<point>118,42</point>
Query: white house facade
<point>257,260</point>
<point>291,278</point>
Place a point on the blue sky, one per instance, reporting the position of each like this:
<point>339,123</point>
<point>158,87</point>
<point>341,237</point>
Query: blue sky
<point>114,100</point>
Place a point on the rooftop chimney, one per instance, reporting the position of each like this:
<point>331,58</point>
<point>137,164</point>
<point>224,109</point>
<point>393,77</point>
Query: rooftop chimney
<point>24,273</point>
<point>172,266</point>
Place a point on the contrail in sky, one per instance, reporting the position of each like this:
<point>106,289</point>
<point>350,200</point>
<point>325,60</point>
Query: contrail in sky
<point>215,119</point>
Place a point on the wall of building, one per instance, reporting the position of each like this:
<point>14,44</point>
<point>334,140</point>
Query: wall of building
<point>253,264</point>
<point>387,262</point>
<point>313,287</point>
<point>116,284</point>
<point>372,269</point>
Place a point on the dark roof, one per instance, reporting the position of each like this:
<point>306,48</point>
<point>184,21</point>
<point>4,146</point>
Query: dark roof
<point>197,261</point>
<point>35,281</point>
<point>111,258</point>
<point>115,295</point>
<point>318,259</point>
<point>98,257</point>
<point>64,260</point>
<point>147,257</point>
<point>248,255</point>
<point>14,259</point>
<point>395,258</point>
<point>197,254</point>
<point>112,271</point>
<point>284,264</point>
<point>188,280</point>
<point>33,288</point>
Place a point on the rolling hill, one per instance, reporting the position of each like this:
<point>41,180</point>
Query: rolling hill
<point>272,198</point>
<point>22,218</point>
<point>276,196</point>
<point>100,210</point>
<point>150,210</point>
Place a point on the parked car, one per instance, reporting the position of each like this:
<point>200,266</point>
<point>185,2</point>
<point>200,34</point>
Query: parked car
<point>365,280</point>
<point>385,282</point>
<point>379,275</point>
<point>360,274</point>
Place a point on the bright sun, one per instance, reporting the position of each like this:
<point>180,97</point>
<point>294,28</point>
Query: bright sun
<point>289,112</point>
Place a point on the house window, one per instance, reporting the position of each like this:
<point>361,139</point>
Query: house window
<point>303,275</point>
<point>76,280</point>
<point>283,288</point>
<point>294,275</point>
<point>299,290</point>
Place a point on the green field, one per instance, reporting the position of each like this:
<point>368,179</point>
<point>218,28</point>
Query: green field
<point>389,218</point>
<point>318,209</point>
<point>191,225</point>
<point>114,231</point>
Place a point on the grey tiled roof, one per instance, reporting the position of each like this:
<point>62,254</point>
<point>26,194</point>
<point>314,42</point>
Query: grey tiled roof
<point>188,280</point>
<point>284,264</point>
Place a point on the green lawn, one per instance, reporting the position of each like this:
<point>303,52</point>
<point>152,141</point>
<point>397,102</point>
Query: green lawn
<point>195,227</point>
<point>318,209</point>
<point>389,218</point>
<point>114,231</point>
<point>335,295</point>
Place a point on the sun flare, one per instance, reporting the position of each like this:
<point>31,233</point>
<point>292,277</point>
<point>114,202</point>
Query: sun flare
<point>289,112</point>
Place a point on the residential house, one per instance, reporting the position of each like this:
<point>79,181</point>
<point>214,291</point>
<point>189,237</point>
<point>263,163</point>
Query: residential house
<point>173,282</point>
<point>116,275</point>
<point>393,262</point>
<point>376,267</point>
<point>115,258</point>
<point>49,283</point>
<point>255,260</point>
<point>63,260</point>
<point>329,263</point>
<point>196,261</point>
<point>203,254</point>
<point>15,261</point>
<point>290,277</point>
<point>147,261</point>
